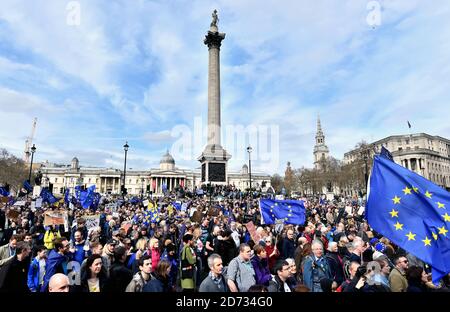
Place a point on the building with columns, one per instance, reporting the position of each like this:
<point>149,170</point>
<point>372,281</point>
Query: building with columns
<point>109,180</point>
<point>422,153</point>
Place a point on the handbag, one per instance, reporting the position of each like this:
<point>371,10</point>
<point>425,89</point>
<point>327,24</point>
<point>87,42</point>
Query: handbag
<point>187,269</point>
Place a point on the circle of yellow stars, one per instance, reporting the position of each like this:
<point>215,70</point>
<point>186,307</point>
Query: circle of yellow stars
<point>411,236</point>
<point>289,210</point>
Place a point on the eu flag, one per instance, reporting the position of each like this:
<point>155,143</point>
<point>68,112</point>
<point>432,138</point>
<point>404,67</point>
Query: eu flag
<point>290,211</point>
<point>88,197</point>
<point>47,196</point>
<point>412,212</point>
<point>176,205</point>
<point>27,186</point>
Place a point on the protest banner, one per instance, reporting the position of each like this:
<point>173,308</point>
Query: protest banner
<point>55,218</point>
<point>38,202</point>
<point>252,230</point>
<point>20,203</point>
<point>197,217</point>
<point>92,221</point>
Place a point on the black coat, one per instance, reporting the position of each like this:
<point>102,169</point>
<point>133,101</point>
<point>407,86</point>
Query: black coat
<point>119,278</point>
<point>226,249</point>
<point>287,248</point>
<point>336,267</point>
<point>14,274</point>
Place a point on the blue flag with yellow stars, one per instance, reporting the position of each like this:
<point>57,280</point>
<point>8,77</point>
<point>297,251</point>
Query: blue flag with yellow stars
<point>290,211</point>
<point>412,212</point>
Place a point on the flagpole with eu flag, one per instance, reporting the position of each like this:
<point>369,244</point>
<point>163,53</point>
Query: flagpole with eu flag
<point>411,211</point>
<point>289,211</point>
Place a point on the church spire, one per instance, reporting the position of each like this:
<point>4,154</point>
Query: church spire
<point>321,151</point>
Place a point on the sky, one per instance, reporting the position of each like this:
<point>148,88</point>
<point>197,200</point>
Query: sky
<point>99,73</point>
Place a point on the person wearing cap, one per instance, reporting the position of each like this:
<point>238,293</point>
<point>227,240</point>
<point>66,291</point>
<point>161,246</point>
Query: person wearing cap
<point>108,253</point>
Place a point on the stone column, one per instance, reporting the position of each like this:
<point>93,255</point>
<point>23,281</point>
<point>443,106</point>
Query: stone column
<point>213,41</point>
<point>114,186</point>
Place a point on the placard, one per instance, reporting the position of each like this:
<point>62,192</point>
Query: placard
<point>20,203</point>
<point>251,228</point>
<point>55,218</point>
<point>38,202</point>
<point>92,221</point>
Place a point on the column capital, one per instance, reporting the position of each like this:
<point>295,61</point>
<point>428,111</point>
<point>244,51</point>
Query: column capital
<point>214,39</point>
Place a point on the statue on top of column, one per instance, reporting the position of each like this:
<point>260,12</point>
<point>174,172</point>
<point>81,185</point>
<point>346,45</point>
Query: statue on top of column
<point>215,19</point>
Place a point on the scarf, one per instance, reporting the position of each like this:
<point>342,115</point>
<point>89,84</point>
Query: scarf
<point>216,280</point>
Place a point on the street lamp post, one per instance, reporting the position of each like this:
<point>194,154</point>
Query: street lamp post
<point>33,149</point>
<point>125,148</point>
<point>366,173</point>
<point>249,150</point>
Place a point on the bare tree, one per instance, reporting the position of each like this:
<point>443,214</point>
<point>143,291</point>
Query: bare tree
<point>13,171</point>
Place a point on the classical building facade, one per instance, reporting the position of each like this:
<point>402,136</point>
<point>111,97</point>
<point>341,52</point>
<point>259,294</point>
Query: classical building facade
<point>167,176</point>
<point>422,153</point>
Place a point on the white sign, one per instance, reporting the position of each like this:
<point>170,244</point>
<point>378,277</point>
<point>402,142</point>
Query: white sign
<point>183,207</point>
<point>19,203</point>
<point>279,197</point>
<point>38,202</point>
<point>92,221</point>
<point>145,202</point>
<point>115,215</point>
<point>361,210</point>
<point>349,211</point>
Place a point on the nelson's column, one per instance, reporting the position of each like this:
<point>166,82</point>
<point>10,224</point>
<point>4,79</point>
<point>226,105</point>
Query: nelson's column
<point>214,157</point>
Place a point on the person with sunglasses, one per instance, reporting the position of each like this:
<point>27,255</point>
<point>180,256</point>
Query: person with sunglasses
<point>397,277</point>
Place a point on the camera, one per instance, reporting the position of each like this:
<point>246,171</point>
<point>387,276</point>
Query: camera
<point>361,271</point>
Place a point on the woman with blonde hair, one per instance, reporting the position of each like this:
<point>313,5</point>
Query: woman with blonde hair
<point>154,252</point>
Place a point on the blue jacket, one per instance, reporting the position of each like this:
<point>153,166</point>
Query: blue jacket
<point>33,275</point>
<point>315,270</point>
<point>55,264</point>
<point>79,254</point>
<point>173,268</point>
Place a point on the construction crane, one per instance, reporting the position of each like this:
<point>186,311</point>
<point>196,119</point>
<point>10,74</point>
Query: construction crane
<point>29,141</point>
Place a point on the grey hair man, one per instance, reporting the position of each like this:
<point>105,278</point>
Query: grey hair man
<point>215,281</point>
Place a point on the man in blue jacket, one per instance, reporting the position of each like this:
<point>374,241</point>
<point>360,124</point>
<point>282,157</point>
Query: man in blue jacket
<point>315,268</point>
<point>57,260</point>
<point>36,270</point>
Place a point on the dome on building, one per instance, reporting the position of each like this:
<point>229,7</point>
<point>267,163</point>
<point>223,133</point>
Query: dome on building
<point>167,159</point>
<point>167,162</point>
<point>244,169</point>
<point>75,163</point>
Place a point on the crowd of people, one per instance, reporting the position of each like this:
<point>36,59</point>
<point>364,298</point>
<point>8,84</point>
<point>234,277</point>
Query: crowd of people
<point>212,243</point>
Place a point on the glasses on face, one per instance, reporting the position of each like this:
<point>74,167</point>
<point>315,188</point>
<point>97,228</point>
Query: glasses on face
<point>405,261</point>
